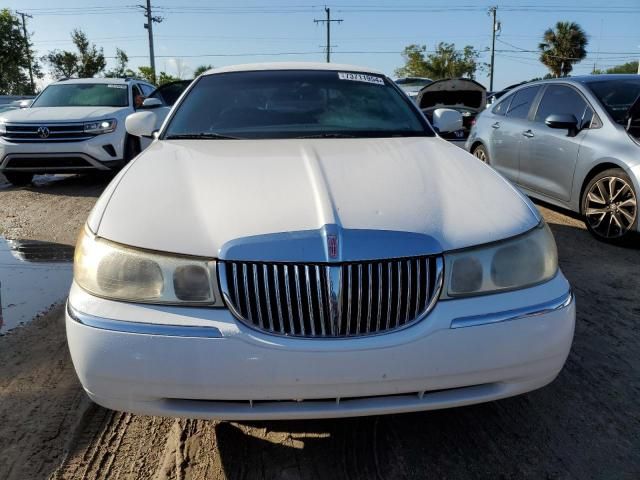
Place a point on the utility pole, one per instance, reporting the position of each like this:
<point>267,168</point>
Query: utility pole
<point>26,47</point>
<point>149,26</point>
<point>328,22</point>
<point>495,28</point>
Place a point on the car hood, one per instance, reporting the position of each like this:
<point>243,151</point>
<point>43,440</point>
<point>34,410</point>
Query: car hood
<point>452,93</point>
<point>197,197</point>
<point>59,114</point>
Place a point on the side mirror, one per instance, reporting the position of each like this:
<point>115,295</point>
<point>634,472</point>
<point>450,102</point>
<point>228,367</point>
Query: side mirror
<point>150,103</point>
<point>447,120</point>
<point>141,124</point>
<point>563,122</point>
<point>25,103</point>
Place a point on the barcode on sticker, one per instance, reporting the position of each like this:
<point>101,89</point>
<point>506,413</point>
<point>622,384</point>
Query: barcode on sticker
<point>360,77</point>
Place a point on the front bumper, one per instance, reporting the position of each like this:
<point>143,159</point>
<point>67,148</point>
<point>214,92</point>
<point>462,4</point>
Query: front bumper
<point>201,363</point>
<point>101,152</point>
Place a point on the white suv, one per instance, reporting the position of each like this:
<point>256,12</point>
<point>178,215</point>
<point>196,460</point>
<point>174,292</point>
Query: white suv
<point>71,127</point>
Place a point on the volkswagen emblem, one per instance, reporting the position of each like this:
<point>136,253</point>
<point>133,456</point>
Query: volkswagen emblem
<point>43,132</point>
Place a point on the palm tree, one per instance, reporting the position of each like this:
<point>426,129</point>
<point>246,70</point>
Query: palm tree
<point>563,47</point>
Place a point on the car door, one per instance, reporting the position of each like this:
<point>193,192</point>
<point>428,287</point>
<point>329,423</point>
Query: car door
<point>548,156</point>
<point>510,120</point>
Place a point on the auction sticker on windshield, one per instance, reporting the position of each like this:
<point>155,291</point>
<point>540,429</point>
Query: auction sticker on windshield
<point>111,85</point>
<point>360,77</point>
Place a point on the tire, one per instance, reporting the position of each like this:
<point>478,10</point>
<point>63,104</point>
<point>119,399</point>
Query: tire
<point>480,152</point>
<point>131,148</point>
<point>609,206</point>
<point>19,179</point>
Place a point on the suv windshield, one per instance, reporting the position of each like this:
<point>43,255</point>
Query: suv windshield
<point>616,96</point>
<point>295,103</point>
<point>84,95</point>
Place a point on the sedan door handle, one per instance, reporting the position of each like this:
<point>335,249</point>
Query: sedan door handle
<point>528,134</point>
<point>496,125</point>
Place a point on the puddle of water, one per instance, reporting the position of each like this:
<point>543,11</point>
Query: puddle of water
<point>33,275</point>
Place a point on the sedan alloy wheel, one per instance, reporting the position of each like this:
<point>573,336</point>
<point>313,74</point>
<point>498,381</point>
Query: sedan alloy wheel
<point>610,207</point>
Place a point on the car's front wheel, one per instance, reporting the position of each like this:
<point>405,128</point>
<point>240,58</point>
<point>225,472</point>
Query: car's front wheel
<point>610,206</point>
<point>19,179</point>
<point>480,152</point>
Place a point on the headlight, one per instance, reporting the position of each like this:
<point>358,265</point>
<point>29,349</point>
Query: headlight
<point>113,271</point>
<point>520,262</point>
<point>103,126</point>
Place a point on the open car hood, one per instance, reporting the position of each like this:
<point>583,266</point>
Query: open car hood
<point>453,93</point>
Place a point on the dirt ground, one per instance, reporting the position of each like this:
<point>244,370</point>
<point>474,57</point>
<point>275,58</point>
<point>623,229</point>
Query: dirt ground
<point>584,425</point>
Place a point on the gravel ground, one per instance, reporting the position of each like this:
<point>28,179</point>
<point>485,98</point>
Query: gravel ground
<point>586,424</point>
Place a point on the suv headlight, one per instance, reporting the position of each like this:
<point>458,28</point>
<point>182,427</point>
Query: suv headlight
<point>519,262</point>
<point>102,126</point>
<point>114,271</point>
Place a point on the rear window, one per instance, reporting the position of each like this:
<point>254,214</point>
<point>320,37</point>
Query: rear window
<point>84,95</point>
<point>616,96</point>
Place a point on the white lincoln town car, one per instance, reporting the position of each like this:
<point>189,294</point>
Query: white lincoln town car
<point>297,242</point>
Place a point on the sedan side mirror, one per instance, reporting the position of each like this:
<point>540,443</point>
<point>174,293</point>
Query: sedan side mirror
<point>563,122</point>
<point>141,124</point>
<point>447,120</point>
<point>150,103</point>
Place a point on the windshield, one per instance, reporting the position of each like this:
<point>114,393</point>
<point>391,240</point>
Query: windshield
<point>295,103</point>
<point>84,95</point>
<point>616,96</point>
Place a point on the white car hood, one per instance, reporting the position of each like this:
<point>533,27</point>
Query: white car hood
<point>193,197</point>
<point>60,114</point>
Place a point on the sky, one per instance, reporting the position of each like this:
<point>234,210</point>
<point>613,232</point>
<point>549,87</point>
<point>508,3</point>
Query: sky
<point>373,33</point>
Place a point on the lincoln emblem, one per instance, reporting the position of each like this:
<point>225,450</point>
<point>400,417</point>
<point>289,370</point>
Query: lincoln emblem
<point>332,246</point>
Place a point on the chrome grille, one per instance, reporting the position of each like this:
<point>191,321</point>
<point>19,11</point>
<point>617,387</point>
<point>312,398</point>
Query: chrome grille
<point>69,132</point>
<point>331,300</point>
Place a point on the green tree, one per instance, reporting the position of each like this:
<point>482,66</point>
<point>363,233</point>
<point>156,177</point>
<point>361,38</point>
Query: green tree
<point>444,62</point>
<point>563,47</point>
<point>15,52</point>
<point>201,69</point>
<point>122,66</point>
<point>87,62</point>
<point>162,78</point>
<point>629,67</point>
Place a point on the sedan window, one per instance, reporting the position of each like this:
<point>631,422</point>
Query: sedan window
<point>521,102</point>
<point>560,99</point>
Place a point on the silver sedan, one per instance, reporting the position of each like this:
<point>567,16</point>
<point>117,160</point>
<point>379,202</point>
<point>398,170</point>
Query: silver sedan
<point>572,142</point>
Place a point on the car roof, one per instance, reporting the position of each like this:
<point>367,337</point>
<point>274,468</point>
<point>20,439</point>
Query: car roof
<point>580,79</point>
<point>103,80</point>
<point>248,67</point>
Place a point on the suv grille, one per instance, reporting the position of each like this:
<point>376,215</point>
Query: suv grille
<point>71,132</point>
<point>331,300</point>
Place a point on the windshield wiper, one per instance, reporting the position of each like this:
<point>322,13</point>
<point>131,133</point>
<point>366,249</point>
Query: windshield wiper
<point>201,136</point>
<point>329,135</point>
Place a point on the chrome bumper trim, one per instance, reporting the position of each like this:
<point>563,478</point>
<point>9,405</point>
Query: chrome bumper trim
<point>141,328</point>
<point>515,314</point>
